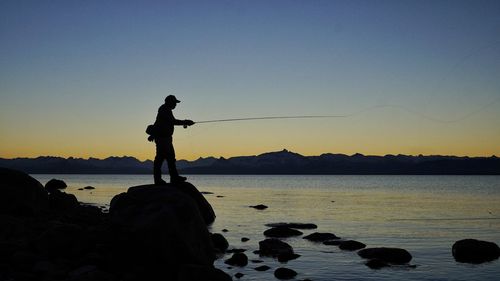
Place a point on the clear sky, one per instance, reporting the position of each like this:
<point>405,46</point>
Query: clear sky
<point>84,78</point>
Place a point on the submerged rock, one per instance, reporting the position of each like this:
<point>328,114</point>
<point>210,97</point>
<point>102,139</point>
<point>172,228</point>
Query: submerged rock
<point>89,187</point>
<point>55,184</point>
<point>220,242</point>
<point>320,237</point>
<point>351,245</point>
<point>238,259</point>
<point>376,264</point>
<point>333,242</point>
<point>262,268</point>
<point>475,251</point>
<point>388,255</point>
<point>284,273</point>
<point>282,232</point>
<point>274,247</point>
<point>259,207</point>
<point>296,225</point>
<point>287,257</point>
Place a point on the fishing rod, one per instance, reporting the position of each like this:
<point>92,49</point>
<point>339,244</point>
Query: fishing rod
<point>272,117</point>
<point>399,107</point>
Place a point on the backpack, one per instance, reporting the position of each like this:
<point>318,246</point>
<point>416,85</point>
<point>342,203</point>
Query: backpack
<point>151,130</point>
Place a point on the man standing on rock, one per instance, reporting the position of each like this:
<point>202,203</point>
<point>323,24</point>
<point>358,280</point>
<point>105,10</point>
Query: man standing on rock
<point>163,131</point>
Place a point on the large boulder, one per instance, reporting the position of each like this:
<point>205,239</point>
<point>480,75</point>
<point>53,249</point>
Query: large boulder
<point>160,229</point>
<point>62,201</point>
<point>388,255</point>
<point>475,251</point>
<point>21,194</point>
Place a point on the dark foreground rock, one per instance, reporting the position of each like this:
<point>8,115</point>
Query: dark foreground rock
<point>284,273</point>
<point>282,232</point>
<point>21,194</point>
<point>475,251</point>
<point>191,272</point>
<point>162,227</point>
<point>388,255</point>
<point>151,233</point>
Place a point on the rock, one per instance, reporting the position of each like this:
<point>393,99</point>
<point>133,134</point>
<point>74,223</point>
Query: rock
<point>320,237</point>
<point>388,255</point>
<point>274,247</point>
<point>60,240</point>
<point>259,207</point>
<point>351,245</point>
<point>245,239</point>
<point>21,194</point>
<point>225,230</point>
<point>239,275</point>
<point>238,259</point>
<point>43,267</point>
<point>24,257</point>
<point>287,257</point>
<point>236,250</point>
<point>475,251</point>
<point>191,272</point>
<point>333,242</point>
<point>161,227</point>
<point>257,261</point>
<point>89,187</point>
<point>220,196</point>
<point>55,184</point>
<point>61,201</point>
<point>81,188</point>
<point>295,225</point>
<point>282,232</point>
<point>284,273</point>
<point>220,243</point>
<point>376,264</point>
<point>262,268</point>
<point>206,192</point>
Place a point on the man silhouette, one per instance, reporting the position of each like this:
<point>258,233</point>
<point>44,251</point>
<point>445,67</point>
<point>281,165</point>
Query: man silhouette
<point>164,129</point>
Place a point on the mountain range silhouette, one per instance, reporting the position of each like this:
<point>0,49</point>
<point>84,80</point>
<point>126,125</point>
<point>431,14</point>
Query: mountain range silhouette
<point>280,162</point>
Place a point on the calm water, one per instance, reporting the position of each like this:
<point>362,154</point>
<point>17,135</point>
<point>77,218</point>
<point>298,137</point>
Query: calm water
<point>423,214</point>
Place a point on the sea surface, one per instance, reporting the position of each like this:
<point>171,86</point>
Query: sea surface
<point>422,214</point>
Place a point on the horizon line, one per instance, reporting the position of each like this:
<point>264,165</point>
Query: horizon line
<point>283,150</point>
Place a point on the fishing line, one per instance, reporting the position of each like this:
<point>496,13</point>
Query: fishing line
<point>376,107</point>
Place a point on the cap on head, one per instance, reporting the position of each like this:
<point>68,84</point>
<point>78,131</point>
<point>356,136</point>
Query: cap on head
<point>171,99</point>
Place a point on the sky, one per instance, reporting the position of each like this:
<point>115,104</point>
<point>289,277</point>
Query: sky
<point>85,78</point>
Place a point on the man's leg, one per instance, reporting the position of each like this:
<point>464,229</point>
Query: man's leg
<point>158,162</point>
<point>172,167</point>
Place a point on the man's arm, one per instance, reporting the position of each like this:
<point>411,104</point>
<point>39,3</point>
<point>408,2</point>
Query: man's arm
<point>184,123</point>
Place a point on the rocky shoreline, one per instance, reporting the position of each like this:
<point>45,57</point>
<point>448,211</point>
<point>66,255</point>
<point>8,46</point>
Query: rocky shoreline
<point>154,233</point>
